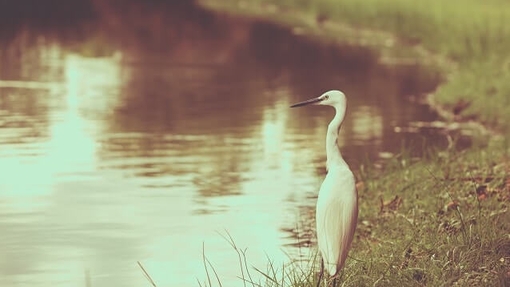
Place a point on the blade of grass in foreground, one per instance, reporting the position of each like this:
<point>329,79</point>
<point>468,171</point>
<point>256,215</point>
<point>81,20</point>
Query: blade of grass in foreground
<point>146,274</point>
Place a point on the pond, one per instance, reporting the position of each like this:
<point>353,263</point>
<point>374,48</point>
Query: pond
<point>118,147</point>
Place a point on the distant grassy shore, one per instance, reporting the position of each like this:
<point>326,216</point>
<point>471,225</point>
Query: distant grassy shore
<point>474,34</point>
<point>444,220</point>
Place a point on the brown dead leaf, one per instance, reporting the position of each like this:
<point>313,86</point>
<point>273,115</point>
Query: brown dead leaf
<point>392,205</point>
<point>452,205</point>
<point>481,192</point>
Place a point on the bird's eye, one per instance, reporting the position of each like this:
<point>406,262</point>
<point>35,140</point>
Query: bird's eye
<point>326,97</point>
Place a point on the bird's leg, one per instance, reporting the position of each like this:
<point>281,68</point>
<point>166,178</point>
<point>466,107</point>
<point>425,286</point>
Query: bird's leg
<point>321,273</point>
<point>331,282</point>
<point>335,281</point>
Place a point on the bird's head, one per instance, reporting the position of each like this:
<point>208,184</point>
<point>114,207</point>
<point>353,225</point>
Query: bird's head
<point>332,98</point>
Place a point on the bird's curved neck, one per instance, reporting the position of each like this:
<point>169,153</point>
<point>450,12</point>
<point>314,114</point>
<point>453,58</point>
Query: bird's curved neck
<point>334,157</point>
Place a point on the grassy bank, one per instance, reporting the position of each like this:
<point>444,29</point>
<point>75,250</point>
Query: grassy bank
<point>444,220</point>
<point>473,33</point>
<point>440,222</point>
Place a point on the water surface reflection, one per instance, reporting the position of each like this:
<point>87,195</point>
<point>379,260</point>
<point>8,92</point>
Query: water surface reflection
<point>146,154</point>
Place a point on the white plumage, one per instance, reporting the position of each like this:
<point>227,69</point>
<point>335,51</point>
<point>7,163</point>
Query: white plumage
<point>337,204</point>
<point>336,216</point>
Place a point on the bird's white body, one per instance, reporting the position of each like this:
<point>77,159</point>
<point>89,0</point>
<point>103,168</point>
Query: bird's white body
<point>336,216</point>
<point>337,205</point>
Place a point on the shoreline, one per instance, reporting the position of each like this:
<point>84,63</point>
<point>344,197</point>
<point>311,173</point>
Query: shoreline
<point>381,41</point>
<point>389,46</point>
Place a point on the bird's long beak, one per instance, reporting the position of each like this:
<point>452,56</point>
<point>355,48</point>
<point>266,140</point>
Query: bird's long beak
<point>307,102</point>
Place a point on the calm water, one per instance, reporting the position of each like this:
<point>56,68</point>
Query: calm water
<point>149,154</point>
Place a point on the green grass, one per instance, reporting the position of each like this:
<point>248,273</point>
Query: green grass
<point>443,220</point>
<point>462,30</point>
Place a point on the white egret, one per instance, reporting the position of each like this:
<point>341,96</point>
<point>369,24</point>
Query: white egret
<point>337,205</point>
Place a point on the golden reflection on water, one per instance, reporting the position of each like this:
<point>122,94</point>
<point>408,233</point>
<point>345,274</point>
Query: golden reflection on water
<point>367,124</point>
<point>38,220</point>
